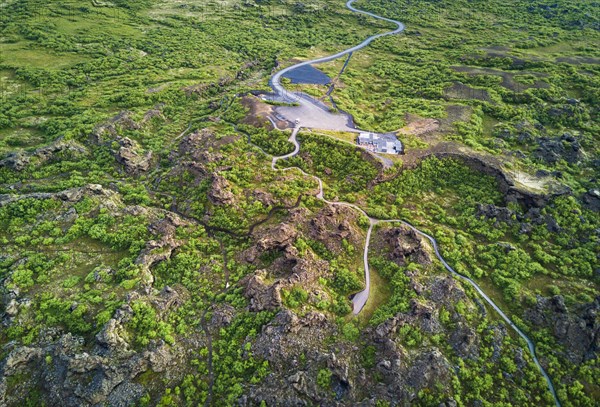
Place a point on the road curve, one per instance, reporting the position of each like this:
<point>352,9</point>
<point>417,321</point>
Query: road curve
<point>275,81</point>
<point>360,299</point>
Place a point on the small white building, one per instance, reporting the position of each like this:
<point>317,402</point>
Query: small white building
<point>380,143</point>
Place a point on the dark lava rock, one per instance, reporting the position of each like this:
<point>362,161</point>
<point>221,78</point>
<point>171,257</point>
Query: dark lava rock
<point>262,296</point>
<point>591,199</point>
<point>130,156</point>
<point>499,213</point>
<point>19,160</point>
<point>70,376</point>
<point>428,369</point>
<point>542,173</point>
<point>577,330</point>
<point>406,246</point>
<point>552,150</point>
<point>465,341</point>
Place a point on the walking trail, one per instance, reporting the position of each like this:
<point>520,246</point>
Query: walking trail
<point>359,300</point>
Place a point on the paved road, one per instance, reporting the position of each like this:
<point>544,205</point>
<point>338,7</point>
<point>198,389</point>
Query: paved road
<point>309,112</point>
<point>360,299</point>
<point>292,97</point>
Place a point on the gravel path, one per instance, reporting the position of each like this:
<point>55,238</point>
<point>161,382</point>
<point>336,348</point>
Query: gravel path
<point>360,299</point>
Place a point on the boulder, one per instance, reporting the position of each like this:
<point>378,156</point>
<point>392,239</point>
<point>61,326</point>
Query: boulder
<point>406,246</point>
<point>16,161</point>
<point>552,150</point>
<point>110,336</point>
<point>498,213</point>
<point>222,315</point>
<point>429,369</point>
<point>465,342</point>
<point>129,155</point>
<point>277,237</point>
<point>220,191</point>
<point>591,200</point>
<point>262,296</point>
<point>19,358</point>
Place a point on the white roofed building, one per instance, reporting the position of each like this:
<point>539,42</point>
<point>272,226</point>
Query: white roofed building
<point>380,143</point>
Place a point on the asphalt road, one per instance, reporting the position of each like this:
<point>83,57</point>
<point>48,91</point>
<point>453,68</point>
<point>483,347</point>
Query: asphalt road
<point>310,114</point>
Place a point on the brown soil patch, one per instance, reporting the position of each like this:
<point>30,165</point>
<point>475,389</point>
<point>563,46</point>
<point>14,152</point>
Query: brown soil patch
<point>418,127</point>
<point>259,113</point>
<point>414,156</point>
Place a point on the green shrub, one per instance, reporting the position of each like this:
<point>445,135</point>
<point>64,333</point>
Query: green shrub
<point>324,379</point>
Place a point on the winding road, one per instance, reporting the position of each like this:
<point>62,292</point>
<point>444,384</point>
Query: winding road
<point>275,81</point>
<point>313,113</point>
<point>360,299</point>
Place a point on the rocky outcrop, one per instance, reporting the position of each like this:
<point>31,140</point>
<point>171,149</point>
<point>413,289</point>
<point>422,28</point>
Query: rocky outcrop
<point>126,151</point>
<point>333,224</point>
<point>565,147</point>
<point>577,330</point>
<point>70,376</point>
<point>68,195</point>
<point>428,369</point>
<point>591,200</point>
<point>202,146</point>
<point>222,315</point>
<point>129,155</point>
<point>71,371</point>
<point>405,246</point>
<point>220,191</point>
<point>498,213</point>
<point>112,336</point>
<point>279,237</point>
<point>532,217</point>
<point>19,358</point>
<point>286,269</point>
<point>262,296</point>
<point>19,160</point>
<point>465,341</point>
<point>446,291</point>
<point>152,113</point>
<point>264,198</point>
<point>161,249</point>
<point>108,131</point>
<point>420,315</point>
<point>296,350</point>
